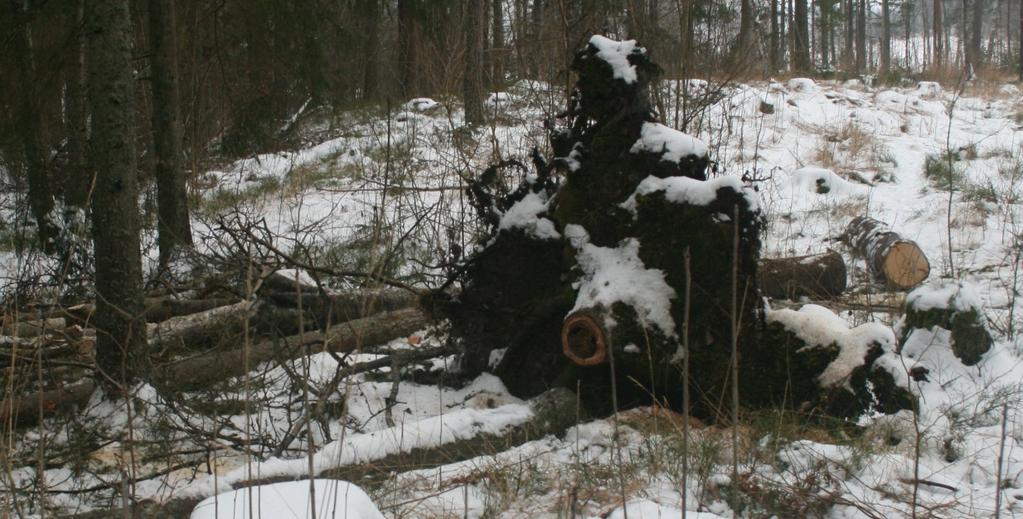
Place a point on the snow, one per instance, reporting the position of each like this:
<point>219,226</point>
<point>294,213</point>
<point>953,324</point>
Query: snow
<point>685,190</point>
<point>617,274</point>
<point>956,295</point>
<point>420,104</point>
<point>616,54</point>
<point>802,85</point>
<point>291,500</point>
<point>819,327</point>
<point>672,144</point>
<point>823,182</point>
<point>525,215</point>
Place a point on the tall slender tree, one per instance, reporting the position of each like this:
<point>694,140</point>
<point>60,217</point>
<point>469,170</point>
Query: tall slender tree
<point>938,55</point>
<point>861,36</point>
<point>33,139</point>
<point>76,190</point>
<point>408,30</point>
<point>975,56</point>
<point>472,84</point>
<point>801,36</point>
<point>174,229</point>
<point>120,325</point>
<point>497,46</point>
<point>886,37</point>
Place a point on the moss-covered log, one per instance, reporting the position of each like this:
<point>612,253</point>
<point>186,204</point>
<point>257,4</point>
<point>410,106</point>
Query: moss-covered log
<point>820,276</point>
<point>951,307</point>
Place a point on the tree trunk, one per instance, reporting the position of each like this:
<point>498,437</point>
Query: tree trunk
<point>775,38</point>
<point>33,140</point>
<point>801,38</point>
<point>938,55</point>
<point>472,83</point>
<point>889,257</point>
<point>850,34</point>
<point>1020,36</point>
<point>208,368</point>
<point>408,30</point>
<point>76,190</point>
<point>174,228</point>
<point>744,42</point>
<point>861,37</point>
<point>825,31</point>
<point>370,10</point>
<point>819,276</point>
<point>886,38</point>
<point>120,325</point>
<point>977,25</point>
<point>497,47</point>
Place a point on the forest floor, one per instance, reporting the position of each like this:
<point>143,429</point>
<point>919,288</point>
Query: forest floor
<point>377,190</point>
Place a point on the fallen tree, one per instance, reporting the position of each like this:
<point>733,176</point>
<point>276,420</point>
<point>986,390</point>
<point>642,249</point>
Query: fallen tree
<point>891,258</point>
<point>582,280</point>
<point>821,276</point>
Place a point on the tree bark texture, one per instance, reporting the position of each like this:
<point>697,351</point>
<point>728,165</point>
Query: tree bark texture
<point>801,37</point>
<point>408,31</point>
<point>33,140</point>
<point>886,37</point>
<point>497,48</point>
<point>937,32</point>
<point>76,189</point>
<point>818,276</point>
<point>889,257</point>
<point>174,229</point>
<point>472,82</point>
<point>120,323</point>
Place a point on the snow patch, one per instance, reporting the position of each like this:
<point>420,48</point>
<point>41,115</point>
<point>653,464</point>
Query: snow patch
<point>525,215</point>
<point>420,104</point>
<point>802,85</point>
<point>823,181</point>
<point>819,327</point>
<point>672,144</point>
<point>613,275</point>
<point>685,190</point>
<point>616,54</point>
<point>333,498</point>
<point>960,296</point>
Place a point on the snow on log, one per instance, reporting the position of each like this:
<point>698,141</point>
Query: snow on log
<point>217,365</point>
<point>820,276</point>
<point>897,261</point>
<point>952,307</point>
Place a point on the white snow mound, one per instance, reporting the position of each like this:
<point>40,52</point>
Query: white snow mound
<point>672,144</point>
<point>525,215</point>
<point>959,296</point>
<point>291,499</point>
<point>685,190</point>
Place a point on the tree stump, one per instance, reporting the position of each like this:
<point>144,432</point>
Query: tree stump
<point>897,261</point>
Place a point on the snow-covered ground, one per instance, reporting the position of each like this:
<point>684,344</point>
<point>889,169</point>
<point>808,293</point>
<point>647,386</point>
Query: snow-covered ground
<point>818,153</point>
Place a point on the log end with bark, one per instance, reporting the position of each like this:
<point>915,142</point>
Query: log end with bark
<point>891,258</point>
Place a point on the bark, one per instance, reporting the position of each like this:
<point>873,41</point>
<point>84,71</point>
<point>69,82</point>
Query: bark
<point>497,47</point>
<point>819,276</point>
<point>33,328</point>
<point>472,82</point>
<point>371,10</point>
<point>208,368</point>
<point>174,229</point>
<point>861,37</point>
<point>825,32</point>
<point>338,308</point>
<point>850,33</point>
<point>775,38</point>
<point>76,190</point>
<point>886,37</point>
<point>25,410</point>
<point>897,261</point>
<point>30,127</point>
<point>801,37</point>
<point>938,56</point>
<point>119,313</point>
<point>977,25</point>
<point>1020,47</point>
<point>408,31</point>
<point>744,42</point>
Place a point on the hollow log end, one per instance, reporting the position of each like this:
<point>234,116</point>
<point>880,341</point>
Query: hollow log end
<point>583,339</point>
<point>906,266</point>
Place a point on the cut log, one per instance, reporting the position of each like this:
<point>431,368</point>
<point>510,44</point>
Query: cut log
<point>583,339</point>
<point>214,366</point>
<point>897,261</point>
<point>161,309</point>
<point>201,329</point>
<point>33,328</point>
<point>24,410</point>
<point>338,308</point>
<point>816,276</point>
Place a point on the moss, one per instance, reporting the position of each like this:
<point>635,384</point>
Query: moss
<point>970,339</point>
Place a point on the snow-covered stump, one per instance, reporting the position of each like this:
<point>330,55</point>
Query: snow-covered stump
<point>950,307</point>
<point>813,361</point>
